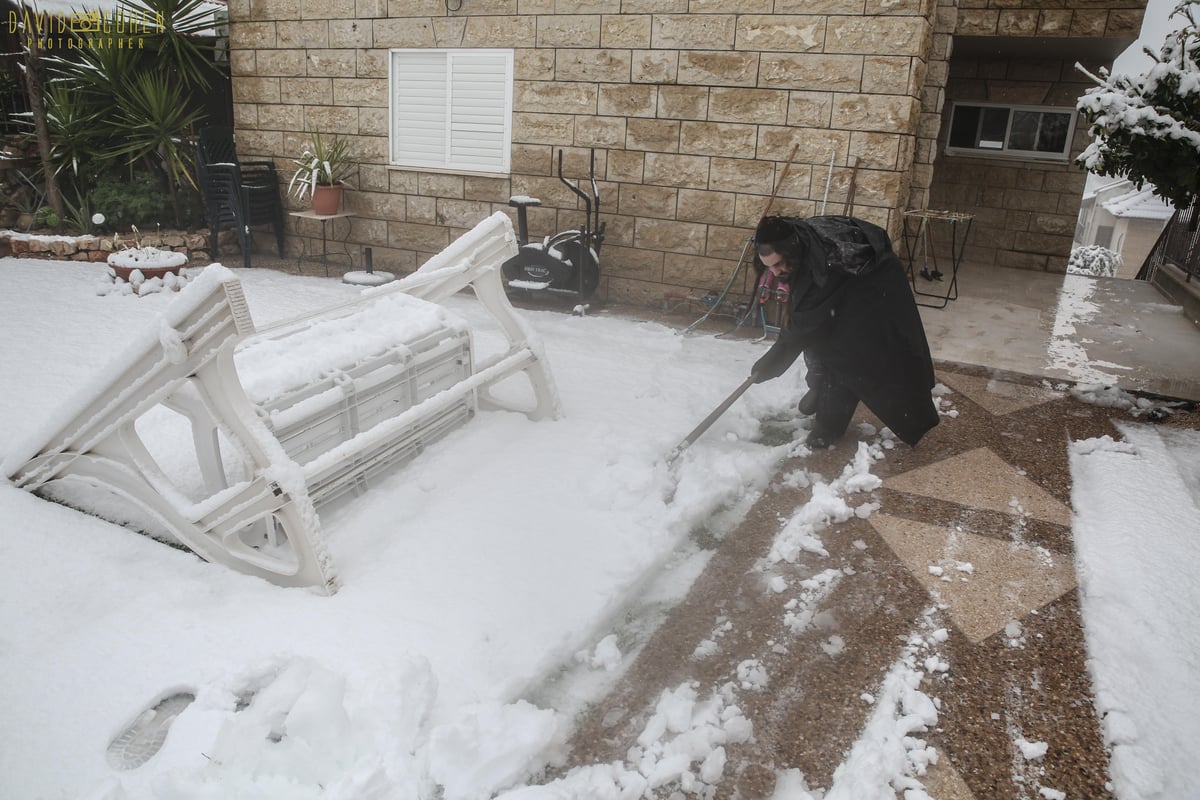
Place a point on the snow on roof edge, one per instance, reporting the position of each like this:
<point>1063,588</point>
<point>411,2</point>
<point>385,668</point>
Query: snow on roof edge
<point>1139,204</point>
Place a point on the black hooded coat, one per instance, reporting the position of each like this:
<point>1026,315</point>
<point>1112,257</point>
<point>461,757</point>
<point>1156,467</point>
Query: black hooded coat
<point>854,313</point>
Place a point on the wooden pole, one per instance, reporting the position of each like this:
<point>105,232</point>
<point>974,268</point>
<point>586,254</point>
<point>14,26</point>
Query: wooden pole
<point>848,210</point>
<point>786,169</point>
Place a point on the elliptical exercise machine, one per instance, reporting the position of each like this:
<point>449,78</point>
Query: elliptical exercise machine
<point>567,262</point>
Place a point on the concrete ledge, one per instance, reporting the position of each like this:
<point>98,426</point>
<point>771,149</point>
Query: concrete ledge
<point>1173,282</point>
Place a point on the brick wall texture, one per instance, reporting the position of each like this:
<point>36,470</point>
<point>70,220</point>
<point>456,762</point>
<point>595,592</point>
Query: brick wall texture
<point>693,107</point>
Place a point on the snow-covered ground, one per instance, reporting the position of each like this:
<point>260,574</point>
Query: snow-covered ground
<point>502,554</point>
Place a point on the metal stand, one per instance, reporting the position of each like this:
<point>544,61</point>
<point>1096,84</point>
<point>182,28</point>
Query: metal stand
<point>918,240</point>
<point>324,219</point>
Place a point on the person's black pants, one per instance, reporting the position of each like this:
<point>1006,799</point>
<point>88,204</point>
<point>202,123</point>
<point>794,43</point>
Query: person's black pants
<point>836,404</point>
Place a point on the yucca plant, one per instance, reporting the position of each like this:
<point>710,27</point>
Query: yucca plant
<point>129,104</point>
<point>79,215</point>
<point>183,45</point>
<point>152,113</point>
<point>327,163</point>
<point>73,126</point>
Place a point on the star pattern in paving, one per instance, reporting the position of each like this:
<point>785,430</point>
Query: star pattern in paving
<point>981,479</point>
<point>983,582</point>
<point>998,396</point>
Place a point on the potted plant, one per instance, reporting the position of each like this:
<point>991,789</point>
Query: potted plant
<point>141,262</point>
<point>321,172</point>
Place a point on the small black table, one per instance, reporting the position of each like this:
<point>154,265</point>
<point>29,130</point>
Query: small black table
<point>324,219</point>
<point>919,241</point>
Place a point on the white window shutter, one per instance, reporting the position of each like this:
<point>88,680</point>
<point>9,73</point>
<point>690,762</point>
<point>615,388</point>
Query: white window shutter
<point>452,109</point>
<point>420,97</point>
<point>479,116</point>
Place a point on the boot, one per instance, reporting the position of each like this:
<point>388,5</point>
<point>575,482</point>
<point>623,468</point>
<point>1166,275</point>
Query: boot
<point>816,377</point>
<point>808,403</point>
<point>818,440</point>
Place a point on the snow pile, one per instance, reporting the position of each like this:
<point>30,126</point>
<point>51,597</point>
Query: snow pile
<point>1114,397</point>
<point>685,733</point>
<point>801,611</point>
<point>146,257</point>
<point>681,747</point>
<point>606,655</point>
<point>278,360</point>
<point>889,758</point>
<point>710,646</point>
<point>299,719</point>
<point>490,747</point>
<point>943,404</point>
<point>1032,751</point>
<point>1136,556</point>
<point>828,506</point>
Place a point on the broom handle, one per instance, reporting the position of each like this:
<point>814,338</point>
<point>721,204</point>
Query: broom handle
<point>849,209</point>
<point>710,419</point>
<point>786,169</point>
<point>742,258</point>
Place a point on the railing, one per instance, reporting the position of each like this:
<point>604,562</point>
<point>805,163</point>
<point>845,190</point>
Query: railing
<point>1178,244</point>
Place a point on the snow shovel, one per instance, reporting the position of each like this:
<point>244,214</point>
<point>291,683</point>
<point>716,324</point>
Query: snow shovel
<point>709,420</point>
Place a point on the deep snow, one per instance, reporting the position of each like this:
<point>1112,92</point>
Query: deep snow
<point>507,552</point>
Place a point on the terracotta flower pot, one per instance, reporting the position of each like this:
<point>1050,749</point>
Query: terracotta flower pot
<point>327,199</point>
<point>150,262</point>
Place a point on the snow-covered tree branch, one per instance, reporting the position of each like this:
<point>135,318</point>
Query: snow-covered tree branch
<point>1147,127</point>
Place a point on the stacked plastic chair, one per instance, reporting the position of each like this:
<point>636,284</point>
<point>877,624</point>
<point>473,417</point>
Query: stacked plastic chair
<point>237,194</point>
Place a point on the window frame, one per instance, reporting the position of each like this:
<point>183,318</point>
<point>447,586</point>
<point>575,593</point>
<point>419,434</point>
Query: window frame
<point>1005,151</point>
<point>450,163</point>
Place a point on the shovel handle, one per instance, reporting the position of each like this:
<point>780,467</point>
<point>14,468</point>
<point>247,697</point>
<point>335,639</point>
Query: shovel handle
<point>710,419</point>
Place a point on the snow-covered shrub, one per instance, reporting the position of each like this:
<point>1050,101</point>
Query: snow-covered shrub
<point>1094,260</point>
<point>1145,127</point>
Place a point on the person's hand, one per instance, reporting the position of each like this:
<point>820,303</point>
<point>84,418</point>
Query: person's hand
<point>769,366</point>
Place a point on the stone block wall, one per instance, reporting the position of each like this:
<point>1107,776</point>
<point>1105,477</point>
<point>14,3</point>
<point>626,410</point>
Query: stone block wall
<point>1085,19</point>
<point>933,100</point>
<point>693,107</point>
